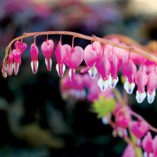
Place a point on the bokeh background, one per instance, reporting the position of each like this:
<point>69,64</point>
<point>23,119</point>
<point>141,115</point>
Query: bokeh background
<point>34,119</point>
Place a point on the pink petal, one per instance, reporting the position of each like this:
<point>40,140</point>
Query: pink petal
<point>147,143</point>
<point>129,151</point>
<point>16,55</point>
<point>91,53</point>
<point>21,46</point>
<point>47,48</point>
<point>60,53</point>
<point>129,70</point>
<point>34,52</point>
<point>74,57</point>
<point>155,146</point>
<point>141,79</point>
<point>152,82</point>
<point>139,128</point>
<point>103,67</point>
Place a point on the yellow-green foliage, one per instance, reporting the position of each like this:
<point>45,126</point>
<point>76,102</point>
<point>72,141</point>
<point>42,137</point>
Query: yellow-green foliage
<point>103,106</point>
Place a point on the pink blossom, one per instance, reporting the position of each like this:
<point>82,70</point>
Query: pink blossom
<point>21,46</point>
<point>73,58</point>
<point>60,57</point>
<point>34,58</point>
<point>129,70</point>
<point>47,48</point>
<point>139,128</point>
<point>151,86</point>
<point>17,60</point>
<point>10,64</point>
<point>141,80</point>
<point>91,54</point>
<point>147,144</point>
<point>129,151</point>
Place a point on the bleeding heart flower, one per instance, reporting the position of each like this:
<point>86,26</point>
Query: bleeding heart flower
<point>73,58</point>
<point>139,129</point>
<point>34,58</point>
<point>151,86</point>
<point>21,46</point>
<point>91,54</point>
<point>147,144</point>
<point>114,70</point>
<point>47,48</point>
<point>60,57</point>
<point>141,80</point>
<point>129,70</point>
<point>17,60</point>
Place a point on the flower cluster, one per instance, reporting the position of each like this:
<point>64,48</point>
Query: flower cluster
<point>103,61</point>
<point>124,123</point>
<point>125,127</point>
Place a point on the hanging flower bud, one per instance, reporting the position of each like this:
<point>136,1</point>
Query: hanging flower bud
<point>151,86</point>
<point>17,60</point>
<point>129,70</point>
<point>147,144</point>
<point>91,54</point>
<point>139,129</point>
<point>73,58</point>
<point>114,70</point>
<point>141,80</point>
<point>34,58</point>
<point>21,46</point>
<point>47,48</point>
<point>60,57</point>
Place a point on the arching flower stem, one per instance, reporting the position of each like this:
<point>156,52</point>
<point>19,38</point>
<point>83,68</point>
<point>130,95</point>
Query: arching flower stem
<point>123,104</point>
<point>145,53</point>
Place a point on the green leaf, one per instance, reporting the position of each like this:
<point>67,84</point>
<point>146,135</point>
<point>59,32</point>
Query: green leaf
<point>103,106</point>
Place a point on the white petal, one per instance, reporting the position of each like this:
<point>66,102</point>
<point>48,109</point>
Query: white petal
<point>113,82</point>
<point>103,84</point>
<point>92,72</point>
<point>16,68</point>
<point>48,62</point>
<point>106,119</point>
<point>34,66</point>
<point>63,69</point>
<point>71,73</point>
<point>151,97</point>
<point>140,96</point>
<point>129,87</point>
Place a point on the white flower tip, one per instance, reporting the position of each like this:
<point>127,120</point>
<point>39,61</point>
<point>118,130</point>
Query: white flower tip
<point>140,96</point>
<point>16,68</point>
<point>60,69</point>
<point>71,73</point>
<point>151,97</point>
<point>129,87</point>
<point>34,66</point>
<point>48,62</point>
<point>113,82</point>
<point>92,72</point>
<point>106,119</point>
<point>103,84</point>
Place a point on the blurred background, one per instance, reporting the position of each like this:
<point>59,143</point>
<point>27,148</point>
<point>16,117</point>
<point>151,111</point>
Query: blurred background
<point>34,119</point>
